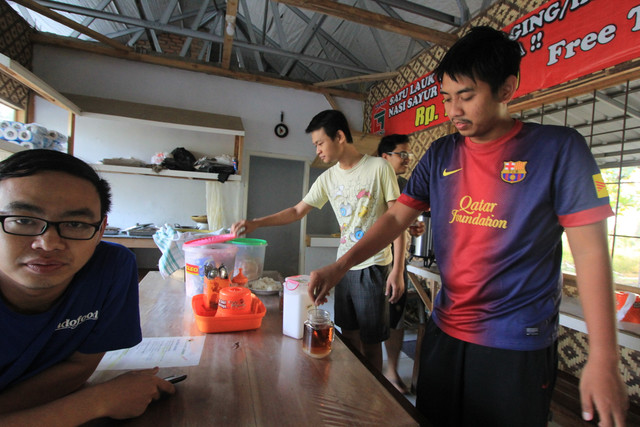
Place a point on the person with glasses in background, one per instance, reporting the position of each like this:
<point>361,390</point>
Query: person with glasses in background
<point>65,297</point>
<point>395,149</point>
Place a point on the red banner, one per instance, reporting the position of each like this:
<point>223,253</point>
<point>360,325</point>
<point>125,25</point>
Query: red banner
<point>560,41</point>
<point>566,39</point>
<point>414,107</point>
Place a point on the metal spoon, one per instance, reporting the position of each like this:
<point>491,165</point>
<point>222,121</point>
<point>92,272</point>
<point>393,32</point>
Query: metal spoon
<point>222,272</point>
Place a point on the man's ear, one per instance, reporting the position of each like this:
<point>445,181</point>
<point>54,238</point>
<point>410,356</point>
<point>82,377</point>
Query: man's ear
<point>508,88</point>
<point>103,227</point>
<point>340,136</point>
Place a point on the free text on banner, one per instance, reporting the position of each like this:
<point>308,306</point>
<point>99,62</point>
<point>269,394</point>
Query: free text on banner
<point>560,41</point>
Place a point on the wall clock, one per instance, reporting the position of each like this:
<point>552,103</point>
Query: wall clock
<point>281,130</point>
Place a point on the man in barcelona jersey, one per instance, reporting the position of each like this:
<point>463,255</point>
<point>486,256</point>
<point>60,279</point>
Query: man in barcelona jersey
<point>501,193</point>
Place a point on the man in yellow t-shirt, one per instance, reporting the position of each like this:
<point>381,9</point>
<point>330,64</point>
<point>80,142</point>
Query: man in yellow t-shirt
<point>360,189</point>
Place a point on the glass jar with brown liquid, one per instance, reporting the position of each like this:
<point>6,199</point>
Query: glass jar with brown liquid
<point>318,333</point>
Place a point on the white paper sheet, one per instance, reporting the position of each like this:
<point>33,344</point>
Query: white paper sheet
<point>163,352</point>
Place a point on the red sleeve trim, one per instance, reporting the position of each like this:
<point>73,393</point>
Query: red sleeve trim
<point>413,203</point>
<point>585,217</point>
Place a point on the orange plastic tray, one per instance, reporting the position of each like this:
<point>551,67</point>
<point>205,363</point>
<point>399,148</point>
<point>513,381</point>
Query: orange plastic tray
<point>208,322</point>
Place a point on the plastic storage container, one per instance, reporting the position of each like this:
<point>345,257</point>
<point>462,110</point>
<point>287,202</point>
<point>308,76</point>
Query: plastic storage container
<point>209,321</point>
<point>295,305</point>
<point>197,257</point>
<point>250,257</point>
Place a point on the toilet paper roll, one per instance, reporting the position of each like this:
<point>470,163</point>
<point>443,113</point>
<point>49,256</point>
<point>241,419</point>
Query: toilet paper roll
<point>37,129</point>
<point>56,136</point>
<point>25,136</point>
<point>5,124</point>
<point>10,134</point>
<point>27,145</point>
<point>18,126</point>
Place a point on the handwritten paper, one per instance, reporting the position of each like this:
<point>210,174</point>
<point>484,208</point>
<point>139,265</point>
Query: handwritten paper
<point>163,352</point>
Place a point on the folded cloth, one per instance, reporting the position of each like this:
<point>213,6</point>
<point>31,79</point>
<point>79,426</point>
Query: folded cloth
<point>170,241</point>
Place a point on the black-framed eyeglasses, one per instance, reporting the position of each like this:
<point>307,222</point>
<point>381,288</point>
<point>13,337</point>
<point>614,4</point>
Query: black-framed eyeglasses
<point>20,225</point>
<point>403,154</point>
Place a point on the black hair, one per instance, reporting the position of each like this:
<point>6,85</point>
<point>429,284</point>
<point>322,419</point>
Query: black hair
<point>484,54</point>
<point>388,143</point>
<point>331,121</point>
<point>30,162</point>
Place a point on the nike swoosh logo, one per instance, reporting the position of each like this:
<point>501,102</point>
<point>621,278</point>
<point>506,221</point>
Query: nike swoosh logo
<point>447,173</point>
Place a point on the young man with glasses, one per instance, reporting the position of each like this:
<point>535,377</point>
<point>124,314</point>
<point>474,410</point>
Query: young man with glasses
<point>66,297</point>
<point>501,193</point>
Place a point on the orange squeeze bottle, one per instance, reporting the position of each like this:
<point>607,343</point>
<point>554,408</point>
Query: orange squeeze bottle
<point>240,279</point>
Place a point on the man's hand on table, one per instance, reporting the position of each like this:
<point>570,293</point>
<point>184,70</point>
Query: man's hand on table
<point>128,395</point>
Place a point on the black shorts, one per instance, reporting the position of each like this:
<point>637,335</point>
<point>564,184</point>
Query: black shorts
<point>360,303</point>
<point>464,384</point>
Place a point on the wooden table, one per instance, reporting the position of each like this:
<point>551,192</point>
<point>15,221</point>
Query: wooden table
<point>259,377</point>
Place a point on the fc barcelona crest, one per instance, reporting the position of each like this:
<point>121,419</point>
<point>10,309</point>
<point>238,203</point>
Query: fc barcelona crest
<point>513,172</point>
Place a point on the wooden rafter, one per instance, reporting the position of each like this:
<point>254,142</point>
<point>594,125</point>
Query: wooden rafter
<point>186,65</point>
<point>371,19</point>
<point>358,79</point>
<point>45,11</point>
<point>230,22</point>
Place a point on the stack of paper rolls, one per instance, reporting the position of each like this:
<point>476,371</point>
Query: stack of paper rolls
<point>9,134</point>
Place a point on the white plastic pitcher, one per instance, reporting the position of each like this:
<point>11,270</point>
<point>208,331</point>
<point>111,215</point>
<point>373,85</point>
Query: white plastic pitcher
<point>295,305</point>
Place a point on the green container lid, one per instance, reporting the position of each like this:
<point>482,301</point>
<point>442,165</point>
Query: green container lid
<point>248,242</point>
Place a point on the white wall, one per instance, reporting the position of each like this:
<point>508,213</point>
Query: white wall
<point>159,200</point>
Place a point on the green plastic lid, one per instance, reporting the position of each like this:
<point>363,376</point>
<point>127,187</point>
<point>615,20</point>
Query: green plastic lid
<point>248,242</point>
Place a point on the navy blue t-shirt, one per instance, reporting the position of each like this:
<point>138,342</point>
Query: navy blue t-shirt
<point>98,312</point>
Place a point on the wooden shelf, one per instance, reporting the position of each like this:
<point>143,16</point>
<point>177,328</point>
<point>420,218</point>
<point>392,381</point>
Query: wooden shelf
<point>8,148</point>
<point>157,115</point>
<point>165,173</point>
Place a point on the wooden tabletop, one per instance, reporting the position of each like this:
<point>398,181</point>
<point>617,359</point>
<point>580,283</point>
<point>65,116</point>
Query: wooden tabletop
<point>259,377</point>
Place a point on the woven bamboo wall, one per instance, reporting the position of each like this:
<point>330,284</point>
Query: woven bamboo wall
<point>572,345</point>
<point>14,43</point>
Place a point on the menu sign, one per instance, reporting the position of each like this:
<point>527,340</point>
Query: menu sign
<point>560,41</point>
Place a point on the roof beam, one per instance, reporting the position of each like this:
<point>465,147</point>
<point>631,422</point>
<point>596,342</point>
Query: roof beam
<point>252,36</point>
<point>358,79</point>
<point>392,13</point>
<point>230,24</point>
<point>87,21</point>
<point>304,39</point>
<point>98,49</point>
<point>195,24</point>
<point>427,12</point>
<point>371,19</point>
<point>629,110</point>
<point>42,10</point>
<point>328,38</point>
<point>198,34</point>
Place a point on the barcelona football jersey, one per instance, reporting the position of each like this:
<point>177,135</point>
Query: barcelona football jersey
<point>498,211</point>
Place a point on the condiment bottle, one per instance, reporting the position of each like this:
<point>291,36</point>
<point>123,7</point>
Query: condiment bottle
<point>240,279</point>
